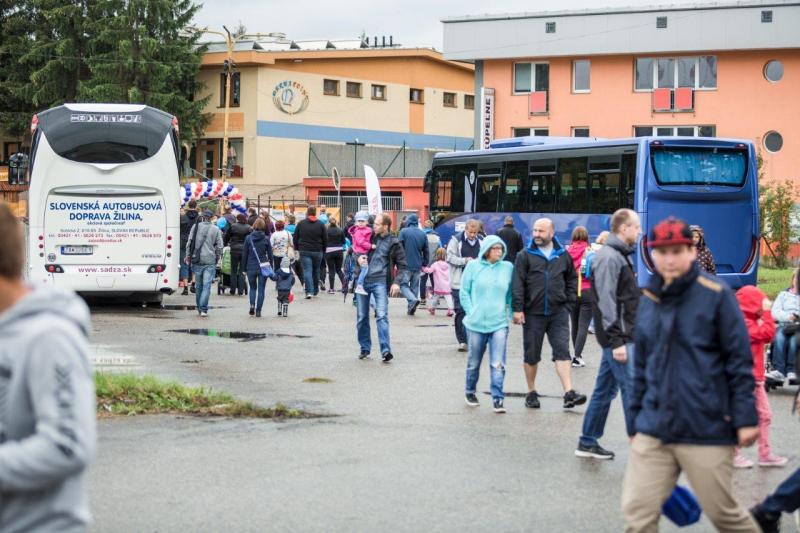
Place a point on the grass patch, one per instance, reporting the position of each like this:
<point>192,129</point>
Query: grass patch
<point>317,380</point>
<point>130,394</point>
<point>774,280</point>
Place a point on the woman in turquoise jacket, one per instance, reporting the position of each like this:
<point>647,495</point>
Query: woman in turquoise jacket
<point>486,298</point>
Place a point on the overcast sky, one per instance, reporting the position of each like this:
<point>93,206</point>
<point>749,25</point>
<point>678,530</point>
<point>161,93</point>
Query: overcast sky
<point>411,22</point>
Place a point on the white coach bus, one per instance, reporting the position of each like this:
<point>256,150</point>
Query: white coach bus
<point>103,203</point>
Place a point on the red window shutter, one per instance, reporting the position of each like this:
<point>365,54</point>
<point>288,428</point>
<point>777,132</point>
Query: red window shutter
<point>661,99</point>
<point>684,98</point>
<point>538,102</point>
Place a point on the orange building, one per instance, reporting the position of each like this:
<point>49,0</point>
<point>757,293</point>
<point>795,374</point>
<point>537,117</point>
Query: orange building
<point>720,70</point>
<point>301,108</point>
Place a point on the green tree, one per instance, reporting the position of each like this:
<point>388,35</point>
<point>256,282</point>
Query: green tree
<point>140,53</point>
<point>776,206</point>
<point>17,26</point>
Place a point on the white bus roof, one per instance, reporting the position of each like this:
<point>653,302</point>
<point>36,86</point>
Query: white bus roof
<point>106,108</point>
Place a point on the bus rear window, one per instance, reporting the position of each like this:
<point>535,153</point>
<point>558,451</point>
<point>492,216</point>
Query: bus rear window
<point>699,166</point>
<point>105,137</point>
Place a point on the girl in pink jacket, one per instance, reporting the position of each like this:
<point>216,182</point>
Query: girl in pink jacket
<point>441,282</point>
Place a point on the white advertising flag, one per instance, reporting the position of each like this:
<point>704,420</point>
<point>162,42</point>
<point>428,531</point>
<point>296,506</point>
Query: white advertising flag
<point>374,205</point>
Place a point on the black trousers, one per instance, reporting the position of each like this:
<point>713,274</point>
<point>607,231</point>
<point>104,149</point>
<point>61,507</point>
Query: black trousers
<point>581,317</point>
<point>461,331</point>
<point>334,260</point>
<point>237,273</point>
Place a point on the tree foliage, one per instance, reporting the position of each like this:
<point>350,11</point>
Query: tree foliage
<point>776,208</point>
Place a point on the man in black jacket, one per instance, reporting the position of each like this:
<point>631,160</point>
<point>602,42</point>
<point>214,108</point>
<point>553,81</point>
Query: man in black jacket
<point>386,254</point>
<point>234,238</point>
<point>311,239</point>
<point>545,285</point>
<point>512,238</point>
<point>188,220</point>
<point>691,397</point>
<point>616,297</point>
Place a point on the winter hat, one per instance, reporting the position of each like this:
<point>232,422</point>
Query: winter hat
<point>222,222</point>
<point>285,262</point>
<point>208,213</point>
<point>670,232</point>
<point>362,215</point>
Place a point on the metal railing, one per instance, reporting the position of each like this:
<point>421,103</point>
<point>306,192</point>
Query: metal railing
<point>352,202</point>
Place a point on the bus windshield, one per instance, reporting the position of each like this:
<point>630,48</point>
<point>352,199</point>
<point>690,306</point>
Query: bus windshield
<point>699,166</point>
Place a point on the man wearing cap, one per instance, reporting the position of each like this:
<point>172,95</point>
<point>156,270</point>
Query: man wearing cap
<point>691,399</point>
<point>616,298</point>
<point>203,250</point>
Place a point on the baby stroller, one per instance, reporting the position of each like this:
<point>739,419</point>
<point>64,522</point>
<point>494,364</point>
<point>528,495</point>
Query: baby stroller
<point>773,379</point>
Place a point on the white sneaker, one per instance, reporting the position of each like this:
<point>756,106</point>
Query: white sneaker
<point>463,347</point>
<point>578,362</point>
<point>776,375</point>
<point>203,314</point>
<point>791,377</point>
<point>360,290</point>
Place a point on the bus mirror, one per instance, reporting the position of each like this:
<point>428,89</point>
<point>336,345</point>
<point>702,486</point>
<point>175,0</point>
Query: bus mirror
<point>17,167</point>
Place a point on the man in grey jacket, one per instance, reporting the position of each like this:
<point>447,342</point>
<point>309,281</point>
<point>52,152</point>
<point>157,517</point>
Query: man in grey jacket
<point>47,403</point>
<point>462,248</point>
<point>203,250</point>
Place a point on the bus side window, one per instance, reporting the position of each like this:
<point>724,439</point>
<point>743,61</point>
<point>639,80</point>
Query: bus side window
<point>488,191</point>
<point>628,181</point>
<point>605,190</point>
<point>573,194</point>
<point>443,187</point>
<point>541,186</point>
<point>513,198</point>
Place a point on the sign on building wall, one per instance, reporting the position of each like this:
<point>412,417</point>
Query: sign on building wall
<point>290,97</point>
<point>487,116</point>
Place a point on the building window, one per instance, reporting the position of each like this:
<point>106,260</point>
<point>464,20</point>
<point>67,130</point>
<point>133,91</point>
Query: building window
<point>580,132</point>
<point>236,86</point>
<point>330,87</point>
<point>549,27</point>
<point>531,77</point>
<point>674,72</point>
<point>449,99</point>
<point>417,96</point>
<point>773,71</point>
<point>766,16</point>
<point>528,132</point>
<point>469,101</point>
<point>773,141</point>
<point>580,76</point>
<point>661,22</point>
<point>379,92</point>
<point>353,89</point>
<point>675,131</point>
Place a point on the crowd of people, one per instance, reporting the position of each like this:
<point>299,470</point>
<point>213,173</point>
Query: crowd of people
<point>686,353</point>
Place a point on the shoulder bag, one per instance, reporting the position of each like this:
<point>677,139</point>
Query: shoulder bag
<point>266,268</point>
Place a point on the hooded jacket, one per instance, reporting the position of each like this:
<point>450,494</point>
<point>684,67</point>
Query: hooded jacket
<point>284,279</point>
<point>786,304</point>
<point>235,237</point>
<point>693,370</point>
<point>47,413</point>
<point>616,293</point>
<point>759,324</point>
<point>208,246</point>
<point>415,244</point>
<point>513,241</point>
<point>250,263</point>
<point>485,292</point>
<point>440,270</point>
<point>387,254</point>
<point>188,219</point>
<point>544,286</point>
<point>704,255</point>
<point>457,258</point>
<point>577,250</point>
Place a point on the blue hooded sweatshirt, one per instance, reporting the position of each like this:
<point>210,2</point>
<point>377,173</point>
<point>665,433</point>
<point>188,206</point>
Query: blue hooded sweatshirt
<point>486,290</point>
<point>415,244</point>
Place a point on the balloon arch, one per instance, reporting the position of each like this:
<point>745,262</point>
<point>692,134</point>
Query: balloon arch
<point>211,190</point>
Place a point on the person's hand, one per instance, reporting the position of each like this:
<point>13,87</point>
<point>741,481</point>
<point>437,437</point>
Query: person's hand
<point>747,436</point>
<point>766,304</point>
<point>362,260</point>
<point>394,290</point>
<point>186,260</point>
<point>620,354</point>
<point>794,317</point>
<point>468,259</point>
<point>519,318</point>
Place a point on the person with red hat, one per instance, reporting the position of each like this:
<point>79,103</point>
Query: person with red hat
<point>691,399</point>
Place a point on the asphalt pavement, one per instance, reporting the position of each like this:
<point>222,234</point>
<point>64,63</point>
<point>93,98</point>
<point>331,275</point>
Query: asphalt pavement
<point>402,452</point>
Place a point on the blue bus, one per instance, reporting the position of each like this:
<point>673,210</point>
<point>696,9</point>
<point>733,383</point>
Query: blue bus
<point>578,181</point>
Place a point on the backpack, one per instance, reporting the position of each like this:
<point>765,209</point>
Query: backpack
<point>586,264</point>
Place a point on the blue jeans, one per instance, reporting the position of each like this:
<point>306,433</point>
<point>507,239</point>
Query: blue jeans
<point>204,275</point>
<point>784,352</point>
<point>257,280</point>
<point>497,359</point>
<point>786,498</point>
<point>362,275</point>
<point>311,262</point>
<point>379,292</point>
<point>611,376</point>
<point>184,274</point>
<point>410,287</point>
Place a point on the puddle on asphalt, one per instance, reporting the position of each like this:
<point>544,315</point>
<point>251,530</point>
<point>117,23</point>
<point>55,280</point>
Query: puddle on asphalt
<point>241,336</point>
<point>187,307</point>
<point>434,325</point>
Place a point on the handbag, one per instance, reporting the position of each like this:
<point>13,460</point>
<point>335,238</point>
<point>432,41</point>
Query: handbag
<point>790,329</point>
<point>682,507</point>
<point>266,267</point>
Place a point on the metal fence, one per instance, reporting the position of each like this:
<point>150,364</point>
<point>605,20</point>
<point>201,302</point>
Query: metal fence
<point>353,202</point>
<point>350,160</point>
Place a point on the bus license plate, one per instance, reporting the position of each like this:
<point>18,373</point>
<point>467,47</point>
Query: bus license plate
<point>76,250</point>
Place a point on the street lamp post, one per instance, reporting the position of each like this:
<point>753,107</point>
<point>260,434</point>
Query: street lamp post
<point>230,42</point>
